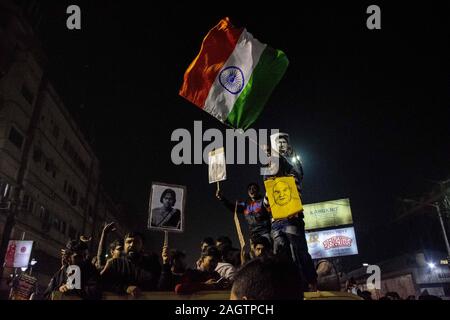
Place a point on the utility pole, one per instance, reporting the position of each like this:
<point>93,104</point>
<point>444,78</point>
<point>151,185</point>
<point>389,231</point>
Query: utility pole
<point>436,205</point>
<point>441,220</point>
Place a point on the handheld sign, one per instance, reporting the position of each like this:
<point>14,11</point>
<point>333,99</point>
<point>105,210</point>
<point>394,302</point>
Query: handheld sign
<point>166,207</point>
<point>217,169</point>
<point>283,197</point>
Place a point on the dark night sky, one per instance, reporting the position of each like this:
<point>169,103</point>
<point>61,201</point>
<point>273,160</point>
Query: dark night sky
<point>367,110</point>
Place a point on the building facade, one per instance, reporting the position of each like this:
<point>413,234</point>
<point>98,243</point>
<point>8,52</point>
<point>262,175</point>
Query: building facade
<point>50,188</point>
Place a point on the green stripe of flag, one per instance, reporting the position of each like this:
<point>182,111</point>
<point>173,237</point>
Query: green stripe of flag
<point>266,75</point>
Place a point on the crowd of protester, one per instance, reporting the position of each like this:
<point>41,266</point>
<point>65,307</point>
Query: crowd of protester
<point>276,264</point>
<point>126,268</point>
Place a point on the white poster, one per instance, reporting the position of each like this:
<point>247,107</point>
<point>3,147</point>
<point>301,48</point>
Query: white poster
<point>332,243</point>
<point>18,253</point>
<point>217,169</point>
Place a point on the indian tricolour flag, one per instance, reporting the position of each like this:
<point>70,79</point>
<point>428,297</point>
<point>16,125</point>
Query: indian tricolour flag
<point>233,75</point>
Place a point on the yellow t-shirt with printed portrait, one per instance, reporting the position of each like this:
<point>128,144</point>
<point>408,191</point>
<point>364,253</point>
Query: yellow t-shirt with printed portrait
<point>283,196</point>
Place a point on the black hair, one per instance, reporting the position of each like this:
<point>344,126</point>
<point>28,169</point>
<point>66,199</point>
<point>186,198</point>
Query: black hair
<point>75,246</point>
<point>176,255</point>
<point>253,184</point>
<point>135,234</point>
<point>261,240</point>
<point>208,240</point>
<point>224,239</point>
<point>226,253</point>
<point>211,251</point>
<point>283,136</point>
<point>166,192</point>
<point>393,294</point>
<point>116,243</point>
<point>268,279</point>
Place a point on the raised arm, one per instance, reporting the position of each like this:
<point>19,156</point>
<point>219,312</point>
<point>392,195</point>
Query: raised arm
<point>228,204</point>
<point>100,263</point>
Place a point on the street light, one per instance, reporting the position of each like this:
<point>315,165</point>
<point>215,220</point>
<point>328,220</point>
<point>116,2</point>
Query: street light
<point>431,265</point>
<point>438,210</point>
<point>365,264</point>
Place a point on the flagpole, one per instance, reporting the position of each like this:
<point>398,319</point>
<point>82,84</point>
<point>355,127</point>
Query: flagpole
<point>238,228</point>
<point>166,239</point>
<point>249,138</point>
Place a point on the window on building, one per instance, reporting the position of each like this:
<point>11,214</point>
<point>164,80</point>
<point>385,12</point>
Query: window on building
<point>4,190</point>
<point>44,214</point>
<point>65,144</point>
<point>48,165</point>
<point>37,154</point>
<point>26,93</point>
<point>72,232</point>
<point>16,137</point>
<point>55,131</point>
<point>74,198</point>
<point>46,221</point>
<point>82,202</point>
<point>25,202</point>
<point>56,223</point>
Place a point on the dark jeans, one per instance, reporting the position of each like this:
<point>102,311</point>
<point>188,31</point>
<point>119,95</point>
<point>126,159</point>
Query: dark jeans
<point>289,239</point>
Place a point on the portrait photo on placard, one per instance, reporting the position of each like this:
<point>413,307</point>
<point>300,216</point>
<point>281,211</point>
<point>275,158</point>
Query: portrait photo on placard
<point>166,207</point>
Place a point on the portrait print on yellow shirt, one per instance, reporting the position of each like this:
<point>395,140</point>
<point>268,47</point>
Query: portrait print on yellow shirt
<point>283,197</point>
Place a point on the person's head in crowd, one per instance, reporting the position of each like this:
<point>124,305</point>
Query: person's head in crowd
<point>411,297</point>
<point>76,252</point>
<point>351,286</point>
<point>225,253</point>
<point>209,259</point>
<point>260,246</point>
<point>393,296</point>
<point>64,260</point>
<point>223,240</point>
<point>253,190</point>
<point>267,279</point>
<point>206,242</point>
<point>115,249</point>
<point>327,277</point>
<point>133,244</point>
<point>177,261</point>
<point>366,295</point>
